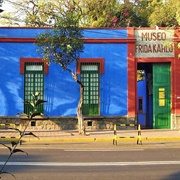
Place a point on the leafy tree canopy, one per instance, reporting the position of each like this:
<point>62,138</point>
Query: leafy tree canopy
<point>64,43</point>
<point>165,13</point>
<point>94,13</point>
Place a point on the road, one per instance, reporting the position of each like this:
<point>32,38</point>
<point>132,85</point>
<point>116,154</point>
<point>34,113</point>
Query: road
<point>94,161</point>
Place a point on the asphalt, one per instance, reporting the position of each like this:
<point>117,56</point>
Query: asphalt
<point>146,135</point>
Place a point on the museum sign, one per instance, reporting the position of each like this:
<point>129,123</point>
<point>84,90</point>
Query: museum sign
<point>154,43</point>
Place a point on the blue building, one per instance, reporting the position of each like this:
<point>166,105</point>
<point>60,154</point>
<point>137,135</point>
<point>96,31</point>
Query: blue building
<point>104,61</point>
<point>108,69</point>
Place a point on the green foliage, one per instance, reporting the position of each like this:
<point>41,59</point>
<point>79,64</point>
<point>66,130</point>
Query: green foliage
<point>34,104</point>
<point>64,43</point>
<point>98,13</point>
<point>165,14</point>
<point>39,14</point>
<point>12,150</point>
<point>178,12</point>
<point>91,13</point>
<point>94,13</point>
<point>110,13</point>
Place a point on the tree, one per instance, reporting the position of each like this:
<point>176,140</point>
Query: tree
<point>93,13</point>
<point>63,45</point>
<point>12,16</point>
<point>132,13</point>
<point>98,13</point>
<point>165,13</point>
<point>34,13</point>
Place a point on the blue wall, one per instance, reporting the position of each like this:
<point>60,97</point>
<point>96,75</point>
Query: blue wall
<point>62,98</point>
<point>142,92</point>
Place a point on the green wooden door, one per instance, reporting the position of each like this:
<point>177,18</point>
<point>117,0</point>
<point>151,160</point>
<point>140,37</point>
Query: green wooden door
<point>161,96</point>
<point>33,82</point>
<point>90,80</point>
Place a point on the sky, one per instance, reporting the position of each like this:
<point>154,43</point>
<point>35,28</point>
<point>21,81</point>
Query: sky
<point>7,6</point>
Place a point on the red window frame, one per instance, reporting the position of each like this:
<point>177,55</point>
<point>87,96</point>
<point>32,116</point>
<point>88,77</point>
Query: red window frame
<point>90,60</point>
<point>24,60</point>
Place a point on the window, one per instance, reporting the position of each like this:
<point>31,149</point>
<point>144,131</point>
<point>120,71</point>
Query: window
<point>90,80</point>
<point>33,82</point>
<point>140,105</point>
<point>90,70</point>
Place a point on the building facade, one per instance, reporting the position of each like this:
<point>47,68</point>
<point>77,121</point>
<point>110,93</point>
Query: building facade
<point>158,93</point>
<point>108,68</point>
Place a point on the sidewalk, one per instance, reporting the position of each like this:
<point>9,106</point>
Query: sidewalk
<point>98,135</point>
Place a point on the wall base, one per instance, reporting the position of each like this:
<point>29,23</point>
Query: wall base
<point>70,123</point>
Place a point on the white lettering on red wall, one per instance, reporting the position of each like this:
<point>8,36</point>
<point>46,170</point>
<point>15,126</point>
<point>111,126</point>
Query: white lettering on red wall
<point>154,43</point>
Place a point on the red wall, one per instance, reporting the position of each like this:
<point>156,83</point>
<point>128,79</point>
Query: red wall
<point>176,75</point>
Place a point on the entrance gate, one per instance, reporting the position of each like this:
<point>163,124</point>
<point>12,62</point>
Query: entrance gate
<point>161,96</point>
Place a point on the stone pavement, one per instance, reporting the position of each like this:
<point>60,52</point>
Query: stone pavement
<point>90,136</point>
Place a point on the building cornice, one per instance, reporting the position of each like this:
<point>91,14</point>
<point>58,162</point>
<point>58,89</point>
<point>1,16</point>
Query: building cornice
<point>86,40</point>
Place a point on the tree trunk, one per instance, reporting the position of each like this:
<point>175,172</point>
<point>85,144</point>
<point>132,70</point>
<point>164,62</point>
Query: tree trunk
<point>79,112</point>
<point>81,127</point>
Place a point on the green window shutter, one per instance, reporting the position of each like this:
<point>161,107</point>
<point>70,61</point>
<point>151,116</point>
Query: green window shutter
<point>33,82</point>
<point>90,80</point>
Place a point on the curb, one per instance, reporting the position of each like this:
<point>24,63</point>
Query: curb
<point>67,140</point>
<point>108,139</point>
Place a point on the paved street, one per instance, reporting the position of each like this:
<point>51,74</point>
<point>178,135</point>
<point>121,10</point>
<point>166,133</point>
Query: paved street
<point>91,161</point>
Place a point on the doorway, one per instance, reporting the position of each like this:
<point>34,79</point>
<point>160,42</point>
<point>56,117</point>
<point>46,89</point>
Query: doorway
<point>154,95</point>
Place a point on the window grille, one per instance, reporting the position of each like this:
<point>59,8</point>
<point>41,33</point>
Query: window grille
<point>33,82</point>
<point>90,80</point>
